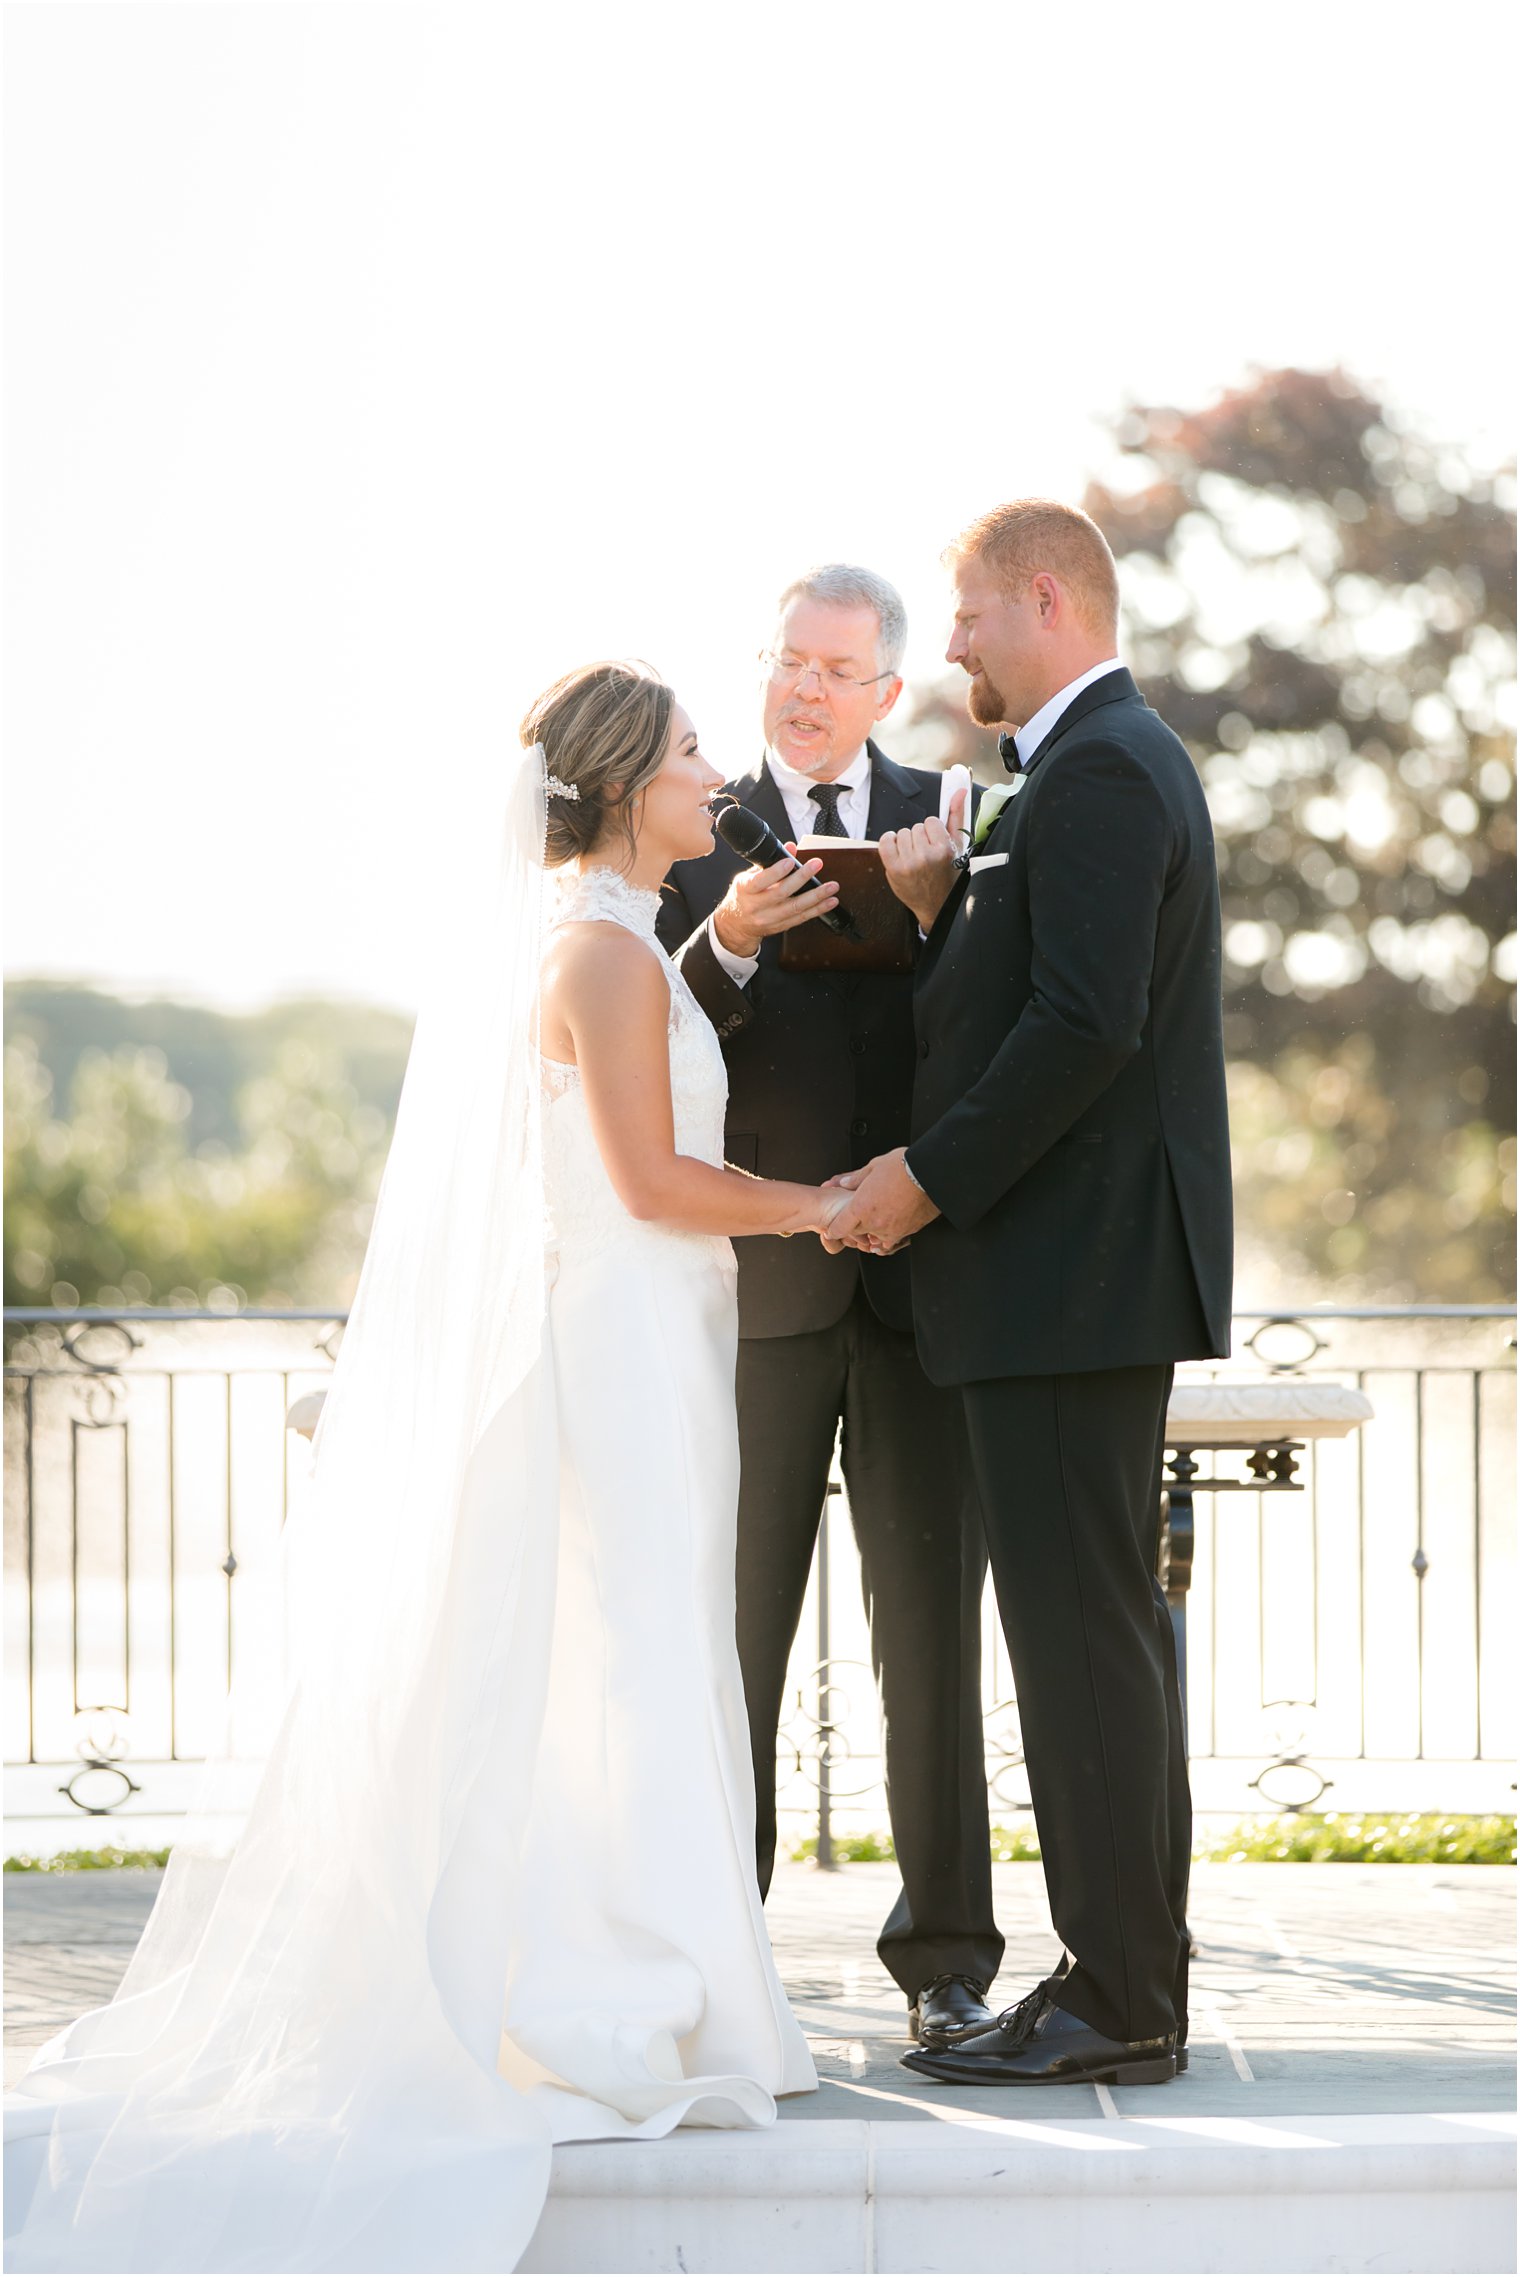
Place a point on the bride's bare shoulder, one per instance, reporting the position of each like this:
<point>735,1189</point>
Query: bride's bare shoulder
<point>600,968</point>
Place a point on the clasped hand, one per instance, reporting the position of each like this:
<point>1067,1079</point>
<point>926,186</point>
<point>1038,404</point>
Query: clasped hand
<point>884,1206</point>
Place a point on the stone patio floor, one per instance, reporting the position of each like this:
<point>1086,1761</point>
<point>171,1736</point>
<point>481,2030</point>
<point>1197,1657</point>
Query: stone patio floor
<point>1318,1989</point>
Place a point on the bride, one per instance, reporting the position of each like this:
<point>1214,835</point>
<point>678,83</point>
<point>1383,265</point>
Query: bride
<point>495,1886</point>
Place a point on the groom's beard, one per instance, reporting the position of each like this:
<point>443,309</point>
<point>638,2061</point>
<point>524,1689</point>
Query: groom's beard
<point>986,703</point>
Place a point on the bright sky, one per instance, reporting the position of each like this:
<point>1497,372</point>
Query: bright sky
<point>370,365</point>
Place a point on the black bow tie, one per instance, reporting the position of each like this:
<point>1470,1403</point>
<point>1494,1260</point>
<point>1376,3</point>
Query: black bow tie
<point>1008,752</point>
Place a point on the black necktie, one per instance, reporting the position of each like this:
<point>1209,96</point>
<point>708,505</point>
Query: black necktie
<point>825,797</point>
<point>1008,752</point>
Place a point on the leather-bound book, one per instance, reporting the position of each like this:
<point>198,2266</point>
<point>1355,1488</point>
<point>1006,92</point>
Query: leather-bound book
<point>885,933</point>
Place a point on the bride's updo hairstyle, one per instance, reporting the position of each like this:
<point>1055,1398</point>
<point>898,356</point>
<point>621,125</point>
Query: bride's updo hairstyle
<point>605,730</point>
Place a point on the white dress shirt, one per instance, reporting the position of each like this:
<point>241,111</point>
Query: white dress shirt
<point>853,786</point>
<point>1031,735</point>
<point>803,813</point>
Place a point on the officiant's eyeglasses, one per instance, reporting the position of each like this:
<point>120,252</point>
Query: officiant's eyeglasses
<point>790,671</point>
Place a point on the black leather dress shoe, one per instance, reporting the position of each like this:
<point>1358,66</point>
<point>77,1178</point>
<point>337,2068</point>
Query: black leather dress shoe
<point>1038,2044</point>
<point>948,2010</point>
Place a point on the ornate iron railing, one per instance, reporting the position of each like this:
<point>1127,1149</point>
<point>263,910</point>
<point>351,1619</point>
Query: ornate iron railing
<point>1350,1642</point>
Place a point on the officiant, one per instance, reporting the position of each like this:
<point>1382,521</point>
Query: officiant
<point>820,1070</point>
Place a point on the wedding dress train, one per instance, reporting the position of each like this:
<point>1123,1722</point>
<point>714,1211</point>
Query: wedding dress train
<point>526,1913</point>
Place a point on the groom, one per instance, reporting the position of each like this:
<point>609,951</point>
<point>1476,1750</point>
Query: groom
<point>1067,1193</point>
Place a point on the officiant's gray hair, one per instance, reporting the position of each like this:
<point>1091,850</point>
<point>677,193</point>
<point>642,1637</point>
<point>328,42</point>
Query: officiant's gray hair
<point>844,586</point>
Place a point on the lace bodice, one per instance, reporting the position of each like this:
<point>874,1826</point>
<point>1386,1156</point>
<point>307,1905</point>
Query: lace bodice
<point>585,1214</point>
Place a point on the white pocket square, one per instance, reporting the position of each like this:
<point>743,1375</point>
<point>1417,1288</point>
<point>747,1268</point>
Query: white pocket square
<point>987,862</point>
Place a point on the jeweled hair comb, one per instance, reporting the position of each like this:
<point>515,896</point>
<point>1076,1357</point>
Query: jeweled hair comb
<point>554,788</point>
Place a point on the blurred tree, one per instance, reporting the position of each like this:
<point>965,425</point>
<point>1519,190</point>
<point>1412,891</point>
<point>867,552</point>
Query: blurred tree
<point>106,1203</point>
<point>213,1053</point>
<point>1321,601</point>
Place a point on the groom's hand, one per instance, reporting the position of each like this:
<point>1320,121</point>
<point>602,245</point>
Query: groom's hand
<point>886,1207</point>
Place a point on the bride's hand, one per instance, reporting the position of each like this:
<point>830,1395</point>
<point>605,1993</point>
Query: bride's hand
<point>833,1200</point>
<point>816,1208</point>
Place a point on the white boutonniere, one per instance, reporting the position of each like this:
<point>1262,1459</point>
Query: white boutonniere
<point>993,803</point>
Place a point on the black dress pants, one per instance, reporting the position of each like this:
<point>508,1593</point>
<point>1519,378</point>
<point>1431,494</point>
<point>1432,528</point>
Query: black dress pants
<point>907,1476</point>
<point>1068,1470</point>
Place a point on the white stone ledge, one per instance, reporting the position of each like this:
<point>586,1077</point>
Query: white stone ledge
<point>1397,2193</point>
<point>1251,1415</point>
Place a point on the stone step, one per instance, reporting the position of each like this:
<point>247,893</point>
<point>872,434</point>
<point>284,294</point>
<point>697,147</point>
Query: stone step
<point>1390,2193</point>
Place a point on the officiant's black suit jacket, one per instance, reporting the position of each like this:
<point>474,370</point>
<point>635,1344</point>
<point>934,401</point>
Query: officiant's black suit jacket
<point>820,1066</point>
<point>1069,1105</point>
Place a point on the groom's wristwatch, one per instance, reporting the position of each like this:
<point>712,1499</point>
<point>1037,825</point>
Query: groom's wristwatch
<point>918,1182</point>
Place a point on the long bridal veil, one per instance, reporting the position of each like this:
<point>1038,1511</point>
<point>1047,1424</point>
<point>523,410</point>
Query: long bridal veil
<point>300,2069</point>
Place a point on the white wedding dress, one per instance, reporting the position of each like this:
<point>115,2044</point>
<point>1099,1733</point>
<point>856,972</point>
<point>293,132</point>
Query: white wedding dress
<point>642,1975</point>
<point>526,1911</point>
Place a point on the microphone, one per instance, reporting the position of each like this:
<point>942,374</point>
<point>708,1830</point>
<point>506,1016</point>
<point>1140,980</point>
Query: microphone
<point>752,838</point>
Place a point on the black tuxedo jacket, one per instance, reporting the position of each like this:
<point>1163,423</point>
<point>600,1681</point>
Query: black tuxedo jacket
<point>820,1067</point>
<point>1069,1105</point>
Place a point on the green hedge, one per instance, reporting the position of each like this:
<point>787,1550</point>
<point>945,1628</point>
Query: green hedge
<point>1415,1838</point>
<point>84,1861</point>
<point>1372,1839</point>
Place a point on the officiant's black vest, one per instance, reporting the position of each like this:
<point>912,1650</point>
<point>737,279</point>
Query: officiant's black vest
<point>820,1067</point>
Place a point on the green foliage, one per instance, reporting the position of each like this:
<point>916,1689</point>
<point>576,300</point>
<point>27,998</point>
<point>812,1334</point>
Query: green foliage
<point>1438,1190</point>
<point>84,1861</point>
<point>1014,1845</point>
<point>1411,1839</point>
<point>110,1198</point>
<point>1377,1839</point>
<point>214,1054</point>
<point>852,1849</point>
<point>1009,1845</point>
<point>1320,600</point>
